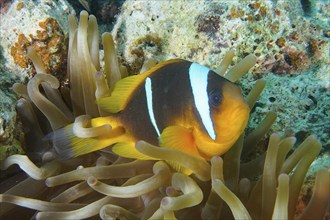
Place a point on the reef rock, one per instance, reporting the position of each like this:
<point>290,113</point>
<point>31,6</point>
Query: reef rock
<point>41,24</point>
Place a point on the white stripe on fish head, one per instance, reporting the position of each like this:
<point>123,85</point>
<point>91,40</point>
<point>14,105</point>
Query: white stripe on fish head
<point>198,76</point>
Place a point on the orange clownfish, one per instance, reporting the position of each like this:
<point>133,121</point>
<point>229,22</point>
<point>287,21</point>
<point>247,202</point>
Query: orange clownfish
<point>177,104</point>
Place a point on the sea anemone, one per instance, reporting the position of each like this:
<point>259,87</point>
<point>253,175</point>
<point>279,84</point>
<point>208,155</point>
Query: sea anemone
<point>101,183</point>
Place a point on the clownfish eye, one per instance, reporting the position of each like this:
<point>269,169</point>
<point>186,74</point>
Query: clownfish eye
<point>215,97</point>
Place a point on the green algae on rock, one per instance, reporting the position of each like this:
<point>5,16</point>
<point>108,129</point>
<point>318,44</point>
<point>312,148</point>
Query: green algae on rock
<point>10,133</point>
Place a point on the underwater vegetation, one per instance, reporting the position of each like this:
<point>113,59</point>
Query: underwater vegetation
<point>103,185</point>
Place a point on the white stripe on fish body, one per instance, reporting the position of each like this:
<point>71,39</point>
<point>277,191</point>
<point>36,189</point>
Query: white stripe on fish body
<point>148,90</point>
<point>198,76</point>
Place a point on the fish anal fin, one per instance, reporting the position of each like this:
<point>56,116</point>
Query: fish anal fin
<point>128,150</point>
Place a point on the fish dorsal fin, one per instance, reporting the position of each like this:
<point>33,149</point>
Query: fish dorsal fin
<point>121,94</point>
<point>128,150</point>
<point>181,139</point>
<point>124,89</point>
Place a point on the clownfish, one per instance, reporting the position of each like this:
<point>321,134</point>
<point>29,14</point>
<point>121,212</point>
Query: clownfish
<point>176,104</point>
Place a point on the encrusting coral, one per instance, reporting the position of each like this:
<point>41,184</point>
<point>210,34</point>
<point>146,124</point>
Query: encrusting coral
<point>101,183</point>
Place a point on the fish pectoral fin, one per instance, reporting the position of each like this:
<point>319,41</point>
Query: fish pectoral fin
<point>178,138</point>
<point>181,139</point>
<point>128,150</point>
<point>121,94</point>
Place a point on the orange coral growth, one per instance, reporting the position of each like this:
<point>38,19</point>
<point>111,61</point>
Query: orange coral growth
<point>18,51</point>
<point>280,42</point>
<point>139,46</point>
<point>257,11</point>
<point>236,13</point>
<point>298,59</point>
<point>314,47</point>
<point>20,6</point>
<point>50,45</point>
<point>263,11</point>
<point>277,11</point>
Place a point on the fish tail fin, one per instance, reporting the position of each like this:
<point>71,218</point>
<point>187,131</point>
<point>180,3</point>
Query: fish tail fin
<point>68,143</point>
